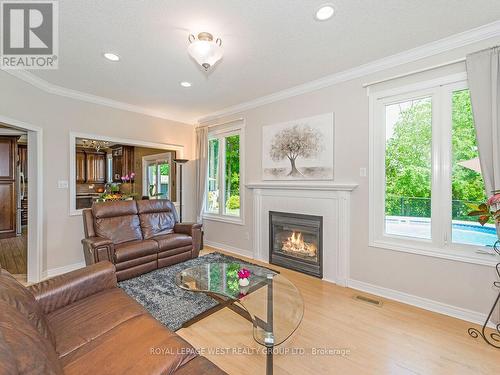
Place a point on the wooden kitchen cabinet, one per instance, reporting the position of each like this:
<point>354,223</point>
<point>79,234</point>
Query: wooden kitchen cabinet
<point>22,151</point>
<point>95,167</point>
<point>123,161</point>
<point>90,167</point>
<point>8,194</point>
<point>81,167</point>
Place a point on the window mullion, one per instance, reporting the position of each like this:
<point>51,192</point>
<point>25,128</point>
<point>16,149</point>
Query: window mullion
<point>446,146</point>
<point>222,164</point>
<point>436,199</point>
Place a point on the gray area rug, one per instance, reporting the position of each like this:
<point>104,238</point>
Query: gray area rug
<point>168,303</point>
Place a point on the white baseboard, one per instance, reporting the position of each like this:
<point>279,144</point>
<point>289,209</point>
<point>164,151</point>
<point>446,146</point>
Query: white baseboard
<point>424,303</point>
<point>60,270</point>
<point>230,249</point>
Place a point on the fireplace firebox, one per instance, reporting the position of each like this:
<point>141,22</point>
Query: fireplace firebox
<point>296,242</point>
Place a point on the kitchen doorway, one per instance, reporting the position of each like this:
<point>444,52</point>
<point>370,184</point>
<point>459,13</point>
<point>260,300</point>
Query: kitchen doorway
<point>20,179</point>
<point>157,176</point>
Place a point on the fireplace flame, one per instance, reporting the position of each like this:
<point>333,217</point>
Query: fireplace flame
<point>295,244</point>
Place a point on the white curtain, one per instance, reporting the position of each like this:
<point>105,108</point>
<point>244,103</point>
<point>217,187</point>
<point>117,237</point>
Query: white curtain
<point>201,153</point>
<point>484,84</point>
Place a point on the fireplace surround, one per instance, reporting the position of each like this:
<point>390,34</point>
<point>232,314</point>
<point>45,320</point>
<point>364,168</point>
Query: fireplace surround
<point>296,242</point>
<point>329,200</point>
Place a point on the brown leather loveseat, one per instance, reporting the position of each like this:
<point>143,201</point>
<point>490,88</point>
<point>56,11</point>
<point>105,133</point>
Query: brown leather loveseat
<point>138,236</point>
<point>82,323</point>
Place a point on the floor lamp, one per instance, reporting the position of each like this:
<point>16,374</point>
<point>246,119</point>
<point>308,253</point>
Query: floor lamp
<point>180,162</point>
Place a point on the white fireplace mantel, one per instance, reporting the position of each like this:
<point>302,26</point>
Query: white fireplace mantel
<point>302,186</point>
<point>329,200</point>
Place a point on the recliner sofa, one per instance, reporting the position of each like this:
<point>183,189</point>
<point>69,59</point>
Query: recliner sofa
<point>138,236</point>
<point>82,323</point>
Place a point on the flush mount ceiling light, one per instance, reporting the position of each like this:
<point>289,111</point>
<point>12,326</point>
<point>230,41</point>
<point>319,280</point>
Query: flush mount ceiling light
<point>205,50</point>
<point>111,56</point>
<point>324,12</point>
<point>185,84</point>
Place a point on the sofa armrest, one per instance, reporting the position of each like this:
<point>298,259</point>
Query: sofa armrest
<point>193,230</point>
<point>60,291</point>
<point>186,228</point>
<point>98,249</point>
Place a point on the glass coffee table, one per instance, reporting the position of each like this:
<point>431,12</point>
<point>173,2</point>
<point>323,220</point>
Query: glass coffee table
<point>270,301</point>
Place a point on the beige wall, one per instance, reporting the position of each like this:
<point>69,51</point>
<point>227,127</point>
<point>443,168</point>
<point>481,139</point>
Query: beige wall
<point>455,283</point>
<point>58,116</point>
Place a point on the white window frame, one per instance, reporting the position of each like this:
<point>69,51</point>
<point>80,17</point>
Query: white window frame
<point>221,133</point>
<point>440,245</point>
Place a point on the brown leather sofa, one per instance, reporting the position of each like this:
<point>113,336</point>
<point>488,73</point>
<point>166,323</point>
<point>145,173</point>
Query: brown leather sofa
<point>81,323</point>
<point>138,236</point>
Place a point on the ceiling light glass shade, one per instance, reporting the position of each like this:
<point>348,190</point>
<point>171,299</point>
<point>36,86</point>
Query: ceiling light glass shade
<point>325,12</point>
<point>111,56</point>
<point>205,50</point>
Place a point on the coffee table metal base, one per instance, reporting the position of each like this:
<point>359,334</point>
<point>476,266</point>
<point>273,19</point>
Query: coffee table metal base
<point>232,304</point>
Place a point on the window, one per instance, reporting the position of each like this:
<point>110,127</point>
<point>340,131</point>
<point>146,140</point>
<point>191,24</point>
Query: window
<point>408,168</point>
<point>466,179</point>
<point>223,198</point>
<point>425,171</point>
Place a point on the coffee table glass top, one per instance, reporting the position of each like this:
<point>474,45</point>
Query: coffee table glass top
<point>274,304</point>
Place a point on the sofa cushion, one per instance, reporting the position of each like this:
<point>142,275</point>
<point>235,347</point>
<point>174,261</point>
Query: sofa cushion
<point>140,345</point>
<point>79,323</point>
<point>23,350</point>
<point>17,296</point>
<point>114,208</point>
<point>117,221</point>
<point>157,217</point>
<point>135,249</point>
<point>173,241</point>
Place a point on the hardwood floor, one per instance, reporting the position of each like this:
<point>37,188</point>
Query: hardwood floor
<point>392,339</point>
<point>13,254</point>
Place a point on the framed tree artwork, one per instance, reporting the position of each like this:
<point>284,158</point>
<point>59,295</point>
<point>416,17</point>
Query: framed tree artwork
<point>299,150</point>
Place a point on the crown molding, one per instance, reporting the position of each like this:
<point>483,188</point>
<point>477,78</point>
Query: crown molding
<point>50,88</point>
<point>462,39</point>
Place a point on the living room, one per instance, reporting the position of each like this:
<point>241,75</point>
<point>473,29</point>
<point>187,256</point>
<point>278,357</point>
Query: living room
<point>319,195</point>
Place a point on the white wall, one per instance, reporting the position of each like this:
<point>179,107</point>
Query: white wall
<point>58,116</point>
<point>462,285</point>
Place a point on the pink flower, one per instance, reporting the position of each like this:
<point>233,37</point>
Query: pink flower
<point>243,273</point>
<point>132,175</point>
<point>494,199</point>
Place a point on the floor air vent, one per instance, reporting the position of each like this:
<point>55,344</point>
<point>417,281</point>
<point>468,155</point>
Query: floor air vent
<point>374,302</point>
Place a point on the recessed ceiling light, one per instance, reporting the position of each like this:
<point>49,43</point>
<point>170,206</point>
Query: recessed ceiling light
<point>324,12</point>
<point>186,84</point>
<point>111,56</point>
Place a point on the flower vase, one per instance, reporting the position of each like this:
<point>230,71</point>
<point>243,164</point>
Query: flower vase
<point>244,282</point>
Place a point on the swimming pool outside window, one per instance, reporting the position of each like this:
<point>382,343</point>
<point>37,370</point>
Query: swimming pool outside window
<point>424,170</point>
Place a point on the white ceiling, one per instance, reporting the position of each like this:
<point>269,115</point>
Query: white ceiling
<point>268,45</point>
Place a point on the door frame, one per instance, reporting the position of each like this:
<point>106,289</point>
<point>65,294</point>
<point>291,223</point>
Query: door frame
<point>35,194</point>
<point>150,158</point>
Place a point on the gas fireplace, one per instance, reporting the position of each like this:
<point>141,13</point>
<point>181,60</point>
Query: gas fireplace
<point>295,242</point>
